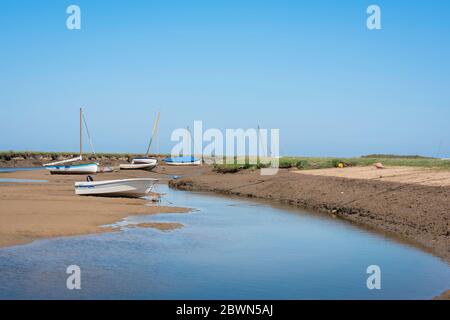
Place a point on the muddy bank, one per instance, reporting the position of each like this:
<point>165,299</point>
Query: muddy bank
<point>415,212</point>
<point>30,211</point>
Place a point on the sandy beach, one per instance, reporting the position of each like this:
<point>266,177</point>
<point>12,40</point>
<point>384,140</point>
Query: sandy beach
<point>31,211</point>
<point>406,175</point>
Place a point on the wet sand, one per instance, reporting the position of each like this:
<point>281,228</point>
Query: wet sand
<point>163,226</point>
<point>31,211</point>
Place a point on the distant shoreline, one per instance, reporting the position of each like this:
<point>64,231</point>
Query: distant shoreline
<point>11,159</point>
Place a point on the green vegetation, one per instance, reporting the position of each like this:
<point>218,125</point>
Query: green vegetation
<point>302,163</point>
<point>321,163</point>
<point>310,163</point>
<point>391,156</point>
<point>11,155</point>
<point>235,166</point>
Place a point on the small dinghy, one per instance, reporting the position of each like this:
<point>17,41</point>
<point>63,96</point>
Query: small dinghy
<point>183,161</point>
<point>135,166</point>
<point>105,169</point>
<point>144,161</point>
<point>130,188</point>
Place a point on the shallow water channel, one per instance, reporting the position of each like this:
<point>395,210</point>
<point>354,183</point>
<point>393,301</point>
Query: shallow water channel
<point>228,248</point>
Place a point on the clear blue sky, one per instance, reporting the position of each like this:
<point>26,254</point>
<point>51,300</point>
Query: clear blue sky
<point>312,69</point>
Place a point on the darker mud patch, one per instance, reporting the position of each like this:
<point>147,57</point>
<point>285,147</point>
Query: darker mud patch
<point>162,226</point>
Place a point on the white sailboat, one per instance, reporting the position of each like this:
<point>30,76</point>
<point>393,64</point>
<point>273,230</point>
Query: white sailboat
<point>60,167</point>
<point>90,168</point>
<point>145,163</point>
<point>131,188</point>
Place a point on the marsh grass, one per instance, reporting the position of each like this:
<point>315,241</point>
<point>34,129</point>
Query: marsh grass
<point>308,163</point>
<point>237,164</point>
<point>11,155</point>
<point>311,163</point>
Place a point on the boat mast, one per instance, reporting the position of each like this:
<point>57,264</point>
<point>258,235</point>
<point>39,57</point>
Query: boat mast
<point>261,143</point>
<point>190,140</point>
<point>259,140</point>
<point>155,128</point>
<point>81,133</point>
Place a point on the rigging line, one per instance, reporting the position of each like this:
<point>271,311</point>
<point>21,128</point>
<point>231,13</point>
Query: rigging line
<point>89,135</point>
<point>155,128</point>
<point>157,143</point>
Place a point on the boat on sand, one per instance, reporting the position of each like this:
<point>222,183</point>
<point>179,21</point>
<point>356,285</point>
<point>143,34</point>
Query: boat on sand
<point>130,188</point>
<point>60,167</point>
<point>183,161</point>
<point>138,166</point>
<point>88,168</point>
<point>150,163</point>
<point>144,161</point>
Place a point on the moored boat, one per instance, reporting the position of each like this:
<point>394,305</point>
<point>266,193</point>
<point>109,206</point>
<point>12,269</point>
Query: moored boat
<point>183,161</point>
<point>137,163</point>
<point>131,188</point>
<point>137,166</point>
<point>59,167</point>
<point>105,169</point>
<point>88,168</point>
<point>144,161</point>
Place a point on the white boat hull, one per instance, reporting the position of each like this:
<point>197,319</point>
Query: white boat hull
<point>131,188</point>
<point>133,166</point>
<point>144,161</point>
<point>193,163</point>
<point>104,169</point>
<point>90,168</point>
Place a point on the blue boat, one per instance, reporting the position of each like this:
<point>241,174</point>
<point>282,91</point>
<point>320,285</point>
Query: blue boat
<point>183,161</point>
